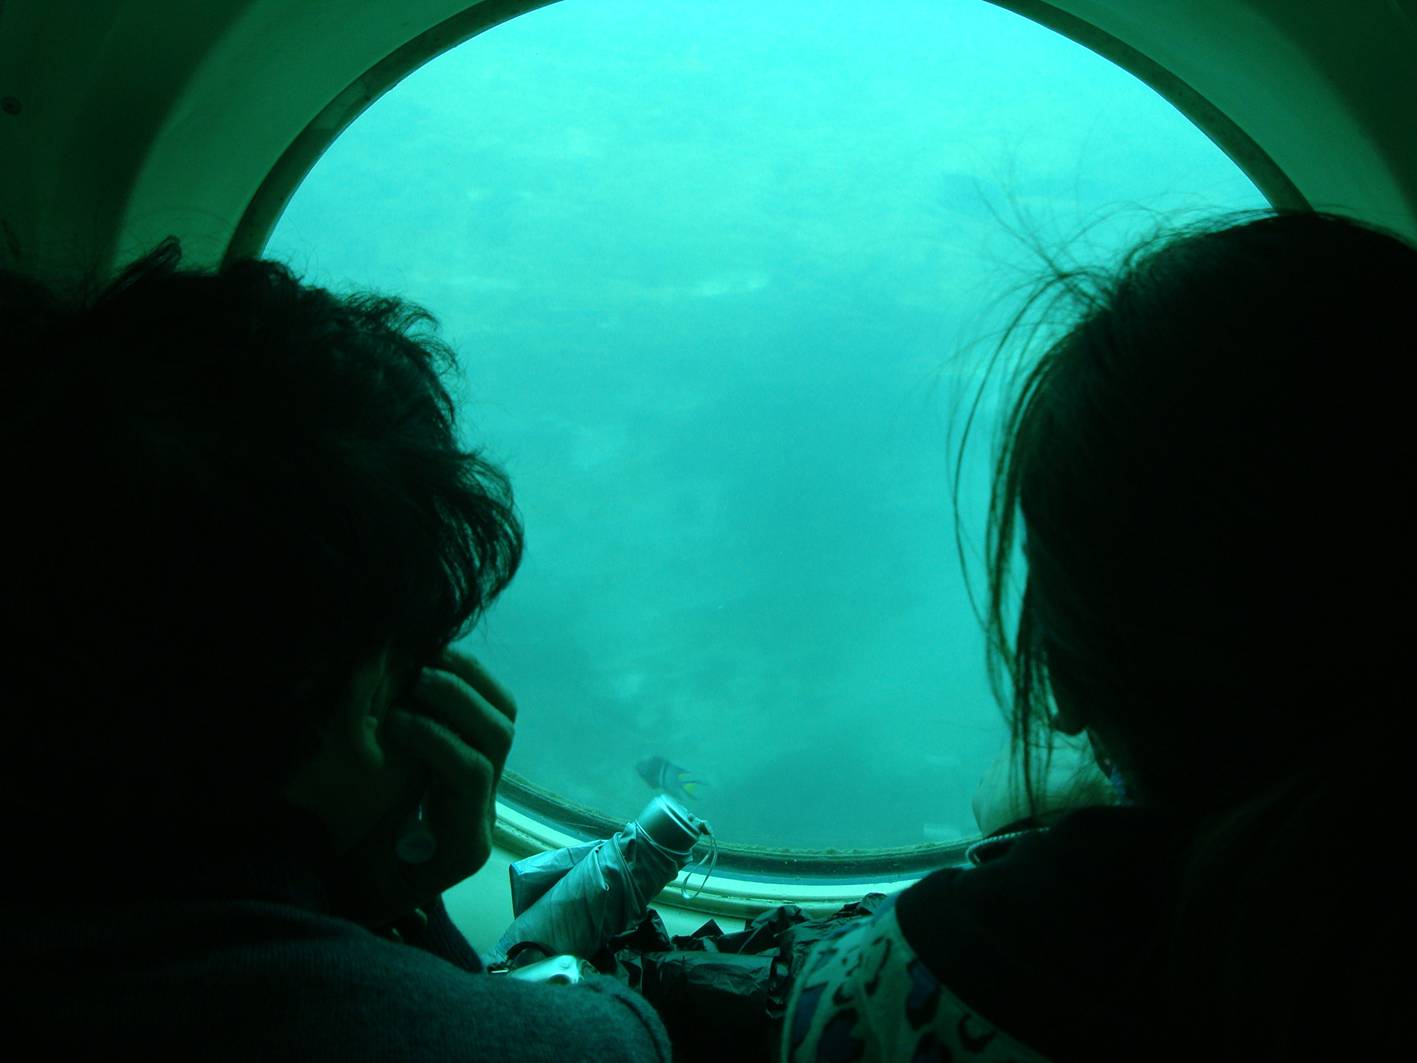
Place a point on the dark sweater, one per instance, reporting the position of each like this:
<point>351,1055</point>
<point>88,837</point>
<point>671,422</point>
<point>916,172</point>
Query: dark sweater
<point>1060,939</point>
<point>223,947</point>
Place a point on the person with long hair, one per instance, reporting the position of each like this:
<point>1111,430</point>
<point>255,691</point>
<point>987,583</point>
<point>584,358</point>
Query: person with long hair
<point>1205,469</point>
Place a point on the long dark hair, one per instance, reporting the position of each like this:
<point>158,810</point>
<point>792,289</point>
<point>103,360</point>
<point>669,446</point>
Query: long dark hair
<point>225,491</point>
<point>1207,467</point>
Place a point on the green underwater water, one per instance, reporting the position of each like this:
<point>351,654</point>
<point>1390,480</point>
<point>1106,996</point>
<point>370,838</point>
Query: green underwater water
<point>719,276</point>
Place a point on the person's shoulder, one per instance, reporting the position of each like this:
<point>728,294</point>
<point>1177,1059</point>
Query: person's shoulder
<point>1028,847</point>
<point>597,1018</point>
<point>319,982</point>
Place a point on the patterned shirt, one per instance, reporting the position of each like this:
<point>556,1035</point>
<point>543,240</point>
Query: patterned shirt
<point>863,994</point>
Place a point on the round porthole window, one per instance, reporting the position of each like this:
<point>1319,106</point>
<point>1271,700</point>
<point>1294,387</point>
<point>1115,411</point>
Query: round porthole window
<point>710,269</point>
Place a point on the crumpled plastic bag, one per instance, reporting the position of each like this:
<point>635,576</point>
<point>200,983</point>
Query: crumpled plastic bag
<point>723,995</point>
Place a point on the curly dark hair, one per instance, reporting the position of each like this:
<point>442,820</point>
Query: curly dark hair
<point>1206,468</point>
<point>227,490</point>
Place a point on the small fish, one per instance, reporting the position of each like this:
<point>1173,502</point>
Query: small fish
<point>670,778</point>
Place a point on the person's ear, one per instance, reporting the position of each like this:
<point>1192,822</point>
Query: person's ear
<point>369,746</point>
<point>365,711</point>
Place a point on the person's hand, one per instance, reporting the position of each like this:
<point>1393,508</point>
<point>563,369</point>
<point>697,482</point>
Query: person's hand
<point>456,731</point>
